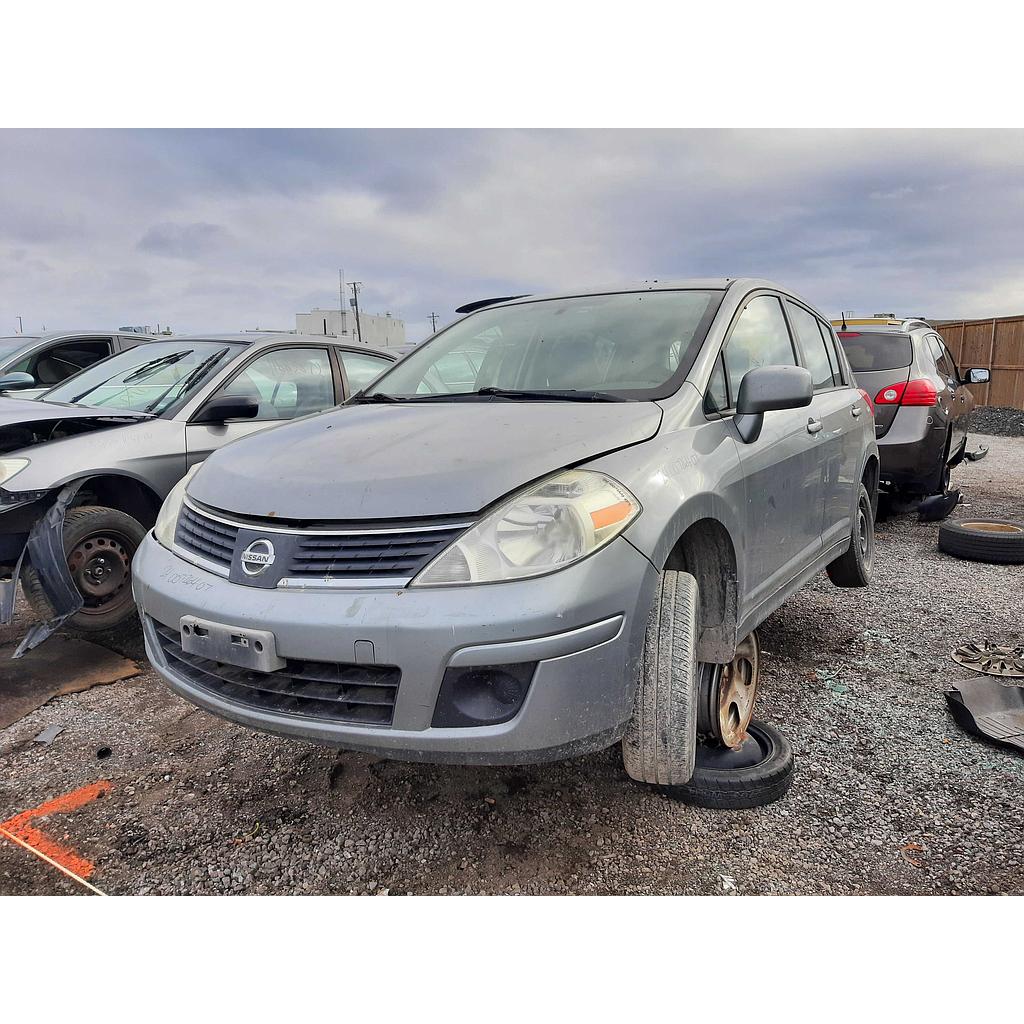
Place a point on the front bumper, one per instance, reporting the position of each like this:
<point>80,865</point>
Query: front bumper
<point>583,626</point>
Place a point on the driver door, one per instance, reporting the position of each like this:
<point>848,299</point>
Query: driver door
<point>286,382</point>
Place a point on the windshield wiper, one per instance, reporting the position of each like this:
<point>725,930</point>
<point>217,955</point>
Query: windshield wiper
<point>377,397</point>
<point>567,395</point>
<point>154,364</point>
<point>186,382</point>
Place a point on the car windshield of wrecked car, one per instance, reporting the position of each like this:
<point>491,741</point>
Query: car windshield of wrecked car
<point>633,345</point>
<point>152,378</point>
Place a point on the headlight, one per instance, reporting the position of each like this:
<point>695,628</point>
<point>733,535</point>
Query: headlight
<point>8,467</point>
<point>167,517</point>
<point>548,526</point>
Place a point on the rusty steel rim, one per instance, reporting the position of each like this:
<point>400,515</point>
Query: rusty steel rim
<point>992,527</point>
<point>729,695</point>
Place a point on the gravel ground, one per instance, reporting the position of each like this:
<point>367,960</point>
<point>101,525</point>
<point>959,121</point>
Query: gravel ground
<point>889,797</point>
<point>1001,420</point>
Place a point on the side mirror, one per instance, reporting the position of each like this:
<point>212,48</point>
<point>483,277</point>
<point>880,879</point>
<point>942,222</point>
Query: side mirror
<point>766,389</point>
<point>17,381</point>
<point>228,407</point>
<point>977,375</point>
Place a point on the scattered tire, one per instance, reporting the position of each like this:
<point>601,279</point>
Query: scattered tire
<point>660,742</point>
<point>758,772</point>
<point>984,540</point>
<point>99,544</point>
<point>853,567</point>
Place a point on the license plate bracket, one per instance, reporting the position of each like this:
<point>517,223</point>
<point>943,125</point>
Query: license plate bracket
<point>254,649</point>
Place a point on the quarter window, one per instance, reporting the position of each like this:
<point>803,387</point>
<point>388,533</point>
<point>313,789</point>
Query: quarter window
<point>759,338</point>
<point>812,346</point>
<point>361,368</point>
<point>717,397</point>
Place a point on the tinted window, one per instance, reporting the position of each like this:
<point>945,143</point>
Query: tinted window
<point>287,383</point>
<point>629,344</point>
<point>759,338</point>
<point>812,346</point>
<point>361,368</point>
<point>876,351</point>
<point>66,359</point>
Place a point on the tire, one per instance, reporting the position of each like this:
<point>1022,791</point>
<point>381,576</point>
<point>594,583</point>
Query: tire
<point>984,540</point>
<point>853,567</point>
<point>660,742</point>
<point>91,531</point>
<point>716,782</point>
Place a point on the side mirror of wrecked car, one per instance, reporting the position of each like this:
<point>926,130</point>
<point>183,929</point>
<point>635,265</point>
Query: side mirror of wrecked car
<point>976,375</point>
<point>766,389</point>
<point>16,381</point>
<point>228,407</point>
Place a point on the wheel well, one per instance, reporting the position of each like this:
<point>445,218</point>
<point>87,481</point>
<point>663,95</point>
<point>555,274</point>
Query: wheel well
<point>706,551</point>
<point>122,493</point>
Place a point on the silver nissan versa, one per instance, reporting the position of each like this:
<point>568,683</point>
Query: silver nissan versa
<point>551,527</point>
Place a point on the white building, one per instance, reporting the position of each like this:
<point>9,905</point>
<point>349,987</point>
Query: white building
<point>378,331</point>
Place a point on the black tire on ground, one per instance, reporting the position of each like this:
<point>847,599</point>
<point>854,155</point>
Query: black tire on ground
<point>89,532</point>
<point>716,784</point>
<point>853,568</point>
<point>660,742</point>
<point>984,540</point>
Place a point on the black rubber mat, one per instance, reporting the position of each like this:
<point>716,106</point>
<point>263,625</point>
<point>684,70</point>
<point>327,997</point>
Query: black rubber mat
<point>989,708</point>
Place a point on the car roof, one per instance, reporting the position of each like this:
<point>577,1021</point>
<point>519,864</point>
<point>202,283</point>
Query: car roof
<point>264,338</point>
<point>650,285</point>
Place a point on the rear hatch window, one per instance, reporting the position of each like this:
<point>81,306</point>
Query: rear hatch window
<point>868,351</point>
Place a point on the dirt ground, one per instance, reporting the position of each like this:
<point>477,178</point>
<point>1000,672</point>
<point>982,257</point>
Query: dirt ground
<point>889,796</point>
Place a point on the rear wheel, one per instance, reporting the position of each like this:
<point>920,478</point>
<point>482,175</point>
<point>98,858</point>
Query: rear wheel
<point>99,544</point>
<point>853,568</point>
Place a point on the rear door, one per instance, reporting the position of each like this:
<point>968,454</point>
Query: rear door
<point>287,383</point>
<point>838,408</point>
<point>880,363</point>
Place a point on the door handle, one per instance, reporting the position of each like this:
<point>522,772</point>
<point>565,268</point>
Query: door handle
<point>813,426</point>
<point>856,409</point>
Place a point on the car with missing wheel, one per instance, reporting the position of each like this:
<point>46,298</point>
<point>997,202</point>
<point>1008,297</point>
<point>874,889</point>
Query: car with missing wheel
<point>922,402</point>
<point>84,469</point>
<point>552,527</point>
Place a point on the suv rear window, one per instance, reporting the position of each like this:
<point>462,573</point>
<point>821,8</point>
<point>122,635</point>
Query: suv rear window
<point>876,351</point>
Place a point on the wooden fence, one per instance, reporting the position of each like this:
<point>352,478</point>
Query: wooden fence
<point>997,345</point>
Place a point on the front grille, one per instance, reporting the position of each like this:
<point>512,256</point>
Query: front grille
<point>358,556</point>
<point>198,533</point>
<point>316,553</point>
<point>361,694</point>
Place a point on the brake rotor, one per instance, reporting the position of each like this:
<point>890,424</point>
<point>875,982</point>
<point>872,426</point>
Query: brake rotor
<point>992,659</point>
<point>728,693</point>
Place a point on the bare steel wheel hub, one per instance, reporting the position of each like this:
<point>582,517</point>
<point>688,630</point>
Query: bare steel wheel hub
<point>100,567</point>
<point>728,693</point>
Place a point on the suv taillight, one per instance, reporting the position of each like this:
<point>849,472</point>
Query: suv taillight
<point>911,392</point>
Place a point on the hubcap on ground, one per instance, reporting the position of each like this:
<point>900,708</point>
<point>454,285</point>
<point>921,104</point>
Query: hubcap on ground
<point>100,566</point>
<point>728,693</point>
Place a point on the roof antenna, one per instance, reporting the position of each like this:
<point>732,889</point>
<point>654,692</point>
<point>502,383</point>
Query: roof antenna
<point>843,313</point>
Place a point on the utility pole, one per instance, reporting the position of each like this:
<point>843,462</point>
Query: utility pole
<point>341,299</point>
<point>355,303</point>
<point>433,323</point>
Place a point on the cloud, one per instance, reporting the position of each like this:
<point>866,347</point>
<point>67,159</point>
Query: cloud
<point>216,230</point>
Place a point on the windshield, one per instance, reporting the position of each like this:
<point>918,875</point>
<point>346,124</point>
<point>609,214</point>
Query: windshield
<point>636,345</point>
<point>151,378</point>
<point>9,345</point>
<point>876,351</point>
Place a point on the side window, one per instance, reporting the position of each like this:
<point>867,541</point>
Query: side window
<point>361,368</point>
<point>812,346</point>
<point>828,336</point>
<point>67,358</point>
<point>938,351</point>
<point>287,382</point>
<point>951,361</point>
<point>716,398</point>
<point>759,338</point>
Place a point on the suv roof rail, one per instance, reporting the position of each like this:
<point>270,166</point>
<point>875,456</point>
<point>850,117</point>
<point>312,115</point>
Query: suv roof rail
<point>472,307</point>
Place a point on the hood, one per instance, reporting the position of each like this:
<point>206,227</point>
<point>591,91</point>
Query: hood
<point>391,462</point>
<point>25,422</point>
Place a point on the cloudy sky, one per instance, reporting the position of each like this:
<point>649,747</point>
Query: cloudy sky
<point>224,230</point>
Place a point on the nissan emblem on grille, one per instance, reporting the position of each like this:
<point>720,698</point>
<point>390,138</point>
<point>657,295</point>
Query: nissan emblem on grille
<point>256,557</point>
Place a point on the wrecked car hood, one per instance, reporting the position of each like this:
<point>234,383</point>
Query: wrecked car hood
<point>386,462</point>
<point>25,421</point>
